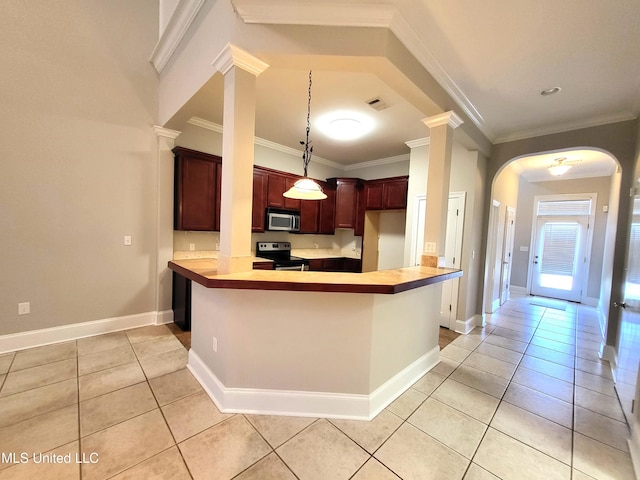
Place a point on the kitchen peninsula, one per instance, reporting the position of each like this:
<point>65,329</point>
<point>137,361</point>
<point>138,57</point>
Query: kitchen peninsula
<point>312,343</point>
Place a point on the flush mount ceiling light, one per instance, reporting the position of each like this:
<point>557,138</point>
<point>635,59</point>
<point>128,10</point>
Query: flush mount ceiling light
<point>345,125</point>
<point>550,91</point>
<point>306,188</point>
<point>559,167</point>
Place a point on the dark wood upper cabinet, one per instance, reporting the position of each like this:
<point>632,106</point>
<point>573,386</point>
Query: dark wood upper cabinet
<point>277,186</point>
<point>346,200</point>
<point>291,203</point>
<point>386,193</point>
<point>395,193</point>
<point>373,195</point>
<point>196,190</point>
<point>260,191</point>
<point>309,216</point>
<point>327,217</point>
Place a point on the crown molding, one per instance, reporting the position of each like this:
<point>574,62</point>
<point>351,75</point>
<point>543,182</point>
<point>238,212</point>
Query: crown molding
<point>375,163</point>
<point>287,12</point>
<point>233,56</point>
<point>180,21</point>
<point>567,127</point>
<point>215,127</point>
<point>166,132</point>
<point>366,14</point>
<point>449,118</point>
<point>418,142</point>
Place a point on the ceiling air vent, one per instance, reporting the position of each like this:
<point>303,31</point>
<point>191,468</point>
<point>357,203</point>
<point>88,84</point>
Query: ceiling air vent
<point>377,104</point>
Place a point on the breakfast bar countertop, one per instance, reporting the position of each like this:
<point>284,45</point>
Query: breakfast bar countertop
<point>204,271</point>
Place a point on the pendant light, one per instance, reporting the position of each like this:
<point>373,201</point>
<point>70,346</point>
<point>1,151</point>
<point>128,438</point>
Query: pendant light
<point>306,188</point>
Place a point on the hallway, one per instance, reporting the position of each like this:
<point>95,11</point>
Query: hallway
<point>524,398</point>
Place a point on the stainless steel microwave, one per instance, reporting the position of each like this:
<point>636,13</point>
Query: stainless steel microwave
<point>283,220</point>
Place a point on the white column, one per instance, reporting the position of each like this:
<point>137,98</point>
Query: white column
<point>440,145</point>
<point>164,222</point>
<point>240,70</point>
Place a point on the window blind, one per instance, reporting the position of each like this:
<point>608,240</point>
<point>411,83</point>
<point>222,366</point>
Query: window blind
<point>564,207</point>
<point>560,239</point>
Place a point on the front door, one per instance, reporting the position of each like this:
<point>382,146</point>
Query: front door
<point>559,257</point>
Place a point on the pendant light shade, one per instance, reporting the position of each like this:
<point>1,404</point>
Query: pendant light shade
<point>306,188</point>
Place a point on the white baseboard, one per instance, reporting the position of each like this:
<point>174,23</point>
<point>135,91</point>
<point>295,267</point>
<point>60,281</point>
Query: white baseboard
<point>465,326</point>
<point>518,290</point>
<point>309,404</point>
<point>610,354</point>
<point>164,317</point>
<point>634,446</point>
<point>64,333</point>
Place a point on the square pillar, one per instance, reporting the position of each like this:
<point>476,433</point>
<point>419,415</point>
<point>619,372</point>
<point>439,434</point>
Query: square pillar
<point>435,226</point>
<point>240,70</point>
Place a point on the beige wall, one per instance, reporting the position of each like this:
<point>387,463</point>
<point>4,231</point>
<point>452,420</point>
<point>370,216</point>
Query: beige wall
<point>79,99</point>
<point>505,192</point>
<point>618,139</point>
<point>524,225</point>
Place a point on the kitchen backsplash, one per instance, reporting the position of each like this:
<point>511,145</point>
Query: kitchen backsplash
<point>204,244</point>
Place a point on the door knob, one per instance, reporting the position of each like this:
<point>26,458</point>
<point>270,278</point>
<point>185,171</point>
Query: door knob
<point>617,305</point>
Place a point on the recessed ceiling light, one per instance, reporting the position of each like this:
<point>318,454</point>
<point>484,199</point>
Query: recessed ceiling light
<point>550,91</point>
<point>345,125</point>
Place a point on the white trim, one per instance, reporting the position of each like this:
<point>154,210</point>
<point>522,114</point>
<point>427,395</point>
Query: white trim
<point>64,333</point>
<point>233,56</point>
<point>165,317</point>
<point>345,14</point>
<point>608,353</point>
<point>449,118</point>
<point>309,404</point>
<point>166,132</point>
<point>518,290</point>
<point>181,20</point>
<point>418,142</point>
<point>634,446</point>
<point>466,326</point>
<point>367,14</point>
<point>380,161</point>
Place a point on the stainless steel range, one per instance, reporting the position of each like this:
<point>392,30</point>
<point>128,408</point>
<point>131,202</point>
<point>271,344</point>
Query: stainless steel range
<point>280,253</point>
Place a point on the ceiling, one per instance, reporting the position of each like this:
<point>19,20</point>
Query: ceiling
<point>493,57</point>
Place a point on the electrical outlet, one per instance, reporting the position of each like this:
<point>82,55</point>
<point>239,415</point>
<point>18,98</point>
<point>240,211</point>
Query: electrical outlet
<point>192,247</point>
<point>217,246</point>
<point>24,308</point>
<point>127,240</point>
<point>215,344</point>
<point>430,247</point>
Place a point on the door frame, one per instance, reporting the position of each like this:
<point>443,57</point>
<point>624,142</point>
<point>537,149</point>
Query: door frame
<point>492,254</point>
<point>589,240</point>
<point>509,237</point>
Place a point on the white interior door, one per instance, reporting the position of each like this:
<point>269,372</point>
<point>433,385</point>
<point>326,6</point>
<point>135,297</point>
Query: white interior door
<point>507,254</point>
<point>559,257</point>
<point>452,254</point>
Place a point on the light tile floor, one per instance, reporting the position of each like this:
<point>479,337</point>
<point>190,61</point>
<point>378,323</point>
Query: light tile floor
<point>526,397</point>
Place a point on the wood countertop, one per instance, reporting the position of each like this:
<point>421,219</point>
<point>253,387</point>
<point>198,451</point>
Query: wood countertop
<point>204,271</point>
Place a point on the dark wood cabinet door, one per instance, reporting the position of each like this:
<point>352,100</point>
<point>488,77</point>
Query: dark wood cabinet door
<point>346,191</point>
<point>327,220</point>
<point>309,216</point>
<point>373,193</point>
<point>260,190</point>
<point>195,190</point>
<point>395,193</point>
<point>277,186</point>
<point>333,264</point>
<point>353,265</point>
<point>291,203</point>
